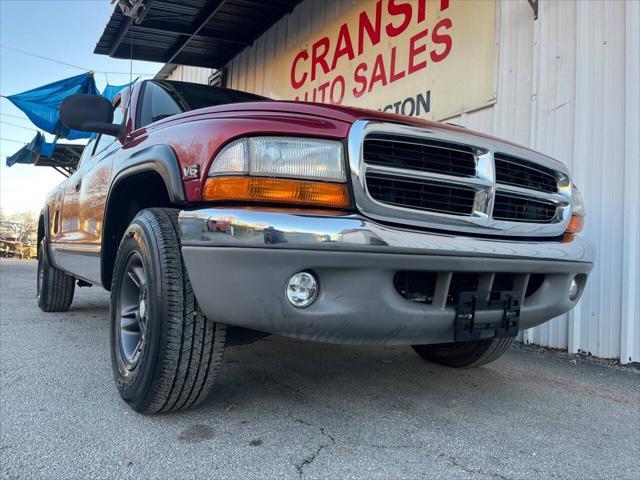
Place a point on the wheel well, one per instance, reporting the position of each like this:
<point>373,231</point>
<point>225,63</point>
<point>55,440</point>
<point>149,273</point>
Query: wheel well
<point>129,196</point>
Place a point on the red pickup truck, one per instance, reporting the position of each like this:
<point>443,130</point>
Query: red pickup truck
<point>216,217</point>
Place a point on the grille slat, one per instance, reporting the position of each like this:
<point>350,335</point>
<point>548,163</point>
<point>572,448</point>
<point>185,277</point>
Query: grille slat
<point>421,195</point>
<point>520,173</point>
<point>518,209</point>
<point>418,154</point>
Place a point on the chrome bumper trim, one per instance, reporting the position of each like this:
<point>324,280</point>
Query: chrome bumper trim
<point>307,230</point>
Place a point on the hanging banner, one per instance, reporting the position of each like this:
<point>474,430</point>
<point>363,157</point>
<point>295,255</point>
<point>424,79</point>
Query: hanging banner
<point>427,58</point>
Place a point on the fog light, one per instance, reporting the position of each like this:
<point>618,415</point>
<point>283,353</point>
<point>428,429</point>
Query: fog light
<point>302,289</point>
<point>574,290</point>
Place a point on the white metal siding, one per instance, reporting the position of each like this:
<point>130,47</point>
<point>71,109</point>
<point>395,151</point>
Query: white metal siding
<point>569,86</point>
<point>190,74</point>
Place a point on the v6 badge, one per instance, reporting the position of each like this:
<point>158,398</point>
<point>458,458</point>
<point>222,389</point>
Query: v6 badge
<point>191,171</point>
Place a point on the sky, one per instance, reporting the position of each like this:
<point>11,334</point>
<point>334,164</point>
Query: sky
<point>63,30</point>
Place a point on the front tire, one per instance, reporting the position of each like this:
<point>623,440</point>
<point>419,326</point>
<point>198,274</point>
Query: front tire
<point>164,353</point>
<point>464,354</point>
<point>55,288</point>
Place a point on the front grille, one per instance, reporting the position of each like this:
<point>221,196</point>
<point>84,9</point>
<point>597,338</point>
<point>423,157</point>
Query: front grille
<point>419,154</point>
<point>421,287</point>
<point>416,287</point>
<point>520,173</point>
<point>421,195</point>
<point>432,177</point>
<point>461,282</point>
<point>518,209</point>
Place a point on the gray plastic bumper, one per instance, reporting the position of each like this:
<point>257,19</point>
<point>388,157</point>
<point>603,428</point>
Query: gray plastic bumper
<point>239,261</point>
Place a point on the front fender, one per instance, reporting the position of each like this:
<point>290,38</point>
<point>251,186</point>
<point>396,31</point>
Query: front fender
<point>157,158</point>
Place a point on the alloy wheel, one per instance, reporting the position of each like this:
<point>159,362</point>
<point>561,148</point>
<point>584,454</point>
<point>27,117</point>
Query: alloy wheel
<point>133,311</point>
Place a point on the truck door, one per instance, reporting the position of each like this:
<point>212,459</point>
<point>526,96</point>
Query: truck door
<point>66,217</point>
<point>83,208</point>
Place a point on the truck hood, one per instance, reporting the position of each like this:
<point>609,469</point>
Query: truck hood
<point>339,113</point>
<point>318,110</point>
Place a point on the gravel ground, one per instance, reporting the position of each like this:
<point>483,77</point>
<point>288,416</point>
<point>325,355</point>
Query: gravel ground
<point>292,409</point>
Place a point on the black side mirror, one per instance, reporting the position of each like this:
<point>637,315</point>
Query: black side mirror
<point>89,113</point>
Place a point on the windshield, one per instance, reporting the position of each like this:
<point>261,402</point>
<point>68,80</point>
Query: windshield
<point>162,99</point>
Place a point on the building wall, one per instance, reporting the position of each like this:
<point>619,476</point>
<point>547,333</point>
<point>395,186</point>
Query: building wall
<point>190,74</point>
<point>568,86</point>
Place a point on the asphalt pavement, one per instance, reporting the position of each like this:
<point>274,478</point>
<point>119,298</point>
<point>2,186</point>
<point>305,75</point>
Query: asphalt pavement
<point>293,409</point>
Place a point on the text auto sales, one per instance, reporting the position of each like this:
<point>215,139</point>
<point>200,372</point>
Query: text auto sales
<point>427,45</point>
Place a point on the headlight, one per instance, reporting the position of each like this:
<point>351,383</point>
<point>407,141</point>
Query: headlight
<point>303,171</point>
<point>290,157</point>
<point>577,203</point>
<point>577,212</point>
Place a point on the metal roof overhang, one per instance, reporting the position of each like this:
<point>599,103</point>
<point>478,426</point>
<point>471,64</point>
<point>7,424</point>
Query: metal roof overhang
<point>202,33</point>
<point>65,158</point>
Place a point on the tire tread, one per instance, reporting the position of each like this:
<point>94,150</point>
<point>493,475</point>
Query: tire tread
<point>57,288</point>
<point>190,342</point>
<point>465,354</point>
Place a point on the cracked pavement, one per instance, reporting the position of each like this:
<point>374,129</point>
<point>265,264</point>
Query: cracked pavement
<point>292,409</point>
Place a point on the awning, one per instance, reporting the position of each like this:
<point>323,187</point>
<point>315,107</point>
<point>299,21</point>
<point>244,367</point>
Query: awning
<point>202,33</point>
<point>63,157</point>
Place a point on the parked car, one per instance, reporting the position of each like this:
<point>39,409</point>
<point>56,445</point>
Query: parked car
<point>216,217</point>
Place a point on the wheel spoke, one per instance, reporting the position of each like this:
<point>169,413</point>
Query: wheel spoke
<point>129,311</point>
<point>129,325</point>
<point>139,272</point>
<point>130,342</point>
<point>134,278</point>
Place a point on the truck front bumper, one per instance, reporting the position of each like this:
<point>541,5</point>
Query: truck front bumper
<point>240,260</point>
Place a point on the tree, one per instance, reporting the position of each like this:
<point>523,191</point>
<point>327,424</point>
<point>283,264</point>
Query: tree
<point>28,229</point>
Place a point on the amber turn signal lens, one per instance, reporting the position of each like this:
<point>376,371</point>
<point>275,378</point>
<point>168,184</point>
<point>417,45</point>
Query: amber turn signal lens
<point>277,190</point>
<point>576,224</point>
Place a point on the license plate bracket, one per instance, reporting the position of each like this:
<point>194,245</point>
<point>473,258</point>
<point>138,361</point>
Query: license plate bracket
<point>468,327</point>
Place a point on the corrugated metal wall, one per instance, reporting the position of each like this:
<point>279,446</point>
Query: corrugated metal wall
<point>190,74</point>
<point>569,86</point>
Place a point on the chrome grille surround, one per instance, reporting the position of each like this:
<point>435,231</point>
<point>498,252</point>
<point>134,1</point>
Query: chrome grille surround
<point>480,220</point>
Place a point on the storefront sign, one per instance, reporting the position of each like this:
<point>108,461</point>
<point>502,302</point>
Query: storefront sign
<point>427,58</point>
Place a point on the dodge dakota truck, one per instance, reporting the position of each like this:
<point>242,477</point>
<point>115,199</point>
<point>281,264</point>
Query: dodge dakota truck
<point>216,217</point>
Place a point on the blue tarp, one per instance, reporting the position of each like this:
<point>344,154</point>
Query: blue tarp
<point>110,91</point>
<point>42,104</point>
<point>30,152</point>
